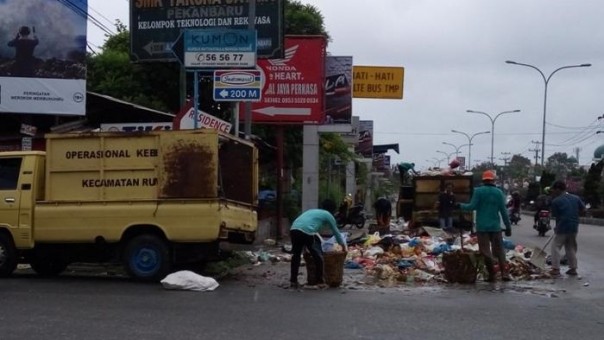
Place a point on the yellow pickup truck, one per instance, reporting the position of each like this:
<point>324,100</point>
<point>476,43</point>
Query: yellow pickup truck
<point>148,200</point>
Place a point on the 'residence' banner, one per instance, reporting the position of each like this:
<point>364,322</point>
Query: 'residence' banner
<point>43,56</point>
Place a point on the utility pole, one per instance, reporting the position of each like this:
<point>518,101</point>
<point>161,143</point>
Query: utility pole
<point>536,151</point>
<point>504,171</point>
<point>506,158</point>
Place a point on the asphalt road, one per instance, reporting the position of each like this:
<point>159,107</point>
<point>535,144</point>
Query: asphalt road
<point>79,307</point>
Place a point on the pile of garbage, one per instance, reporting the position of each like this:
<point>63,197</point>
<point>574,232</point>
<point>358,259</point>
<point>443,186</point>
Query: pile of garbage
<point>409,256</point>
<point>404,258</point>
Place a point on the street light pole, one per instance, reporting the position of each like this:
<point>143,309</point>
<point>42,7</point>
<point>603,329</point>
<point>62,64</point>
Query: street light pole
<point>546,81</point>
<point>456,147</point>
<point>448,155</point>
<point>492,128</point>
<point>470,143</point>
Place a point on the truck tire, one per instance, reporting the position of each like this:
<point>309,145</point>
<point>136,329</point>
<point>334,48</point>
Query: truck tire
<point>147,257</point>
<point>50,265</point>
<point>8,256</point>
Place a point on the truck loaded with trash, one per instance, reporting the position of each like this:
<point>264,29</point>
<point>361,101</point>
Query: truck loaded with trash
<point>419,194</point>
<point>149,200</point>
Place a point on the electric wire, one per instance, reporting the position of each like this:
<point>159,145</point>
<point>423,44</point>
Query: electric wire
<point>85,14</point>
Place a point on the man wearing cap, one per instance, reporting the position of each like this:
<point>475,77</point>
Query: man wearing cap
<point>489,203</point>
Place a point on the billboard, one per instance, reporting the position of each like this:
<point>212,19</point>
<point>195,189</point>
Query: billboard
<point>43,56</point>
<point>156,25</point>
<point>378,82</point>
<point>293,86</point>
<point>365,145</point>
<point>338,90</point>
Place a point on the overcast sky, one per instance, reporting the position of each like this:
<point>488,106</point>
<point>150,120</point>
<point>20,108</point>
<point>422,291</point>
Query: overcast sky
<point>454,55</point>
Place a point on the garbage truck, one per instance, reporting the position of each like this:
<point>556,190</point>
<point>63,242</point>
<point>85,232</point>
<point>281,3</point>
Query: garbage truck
<point>417,201</point>
<point>148,200</point>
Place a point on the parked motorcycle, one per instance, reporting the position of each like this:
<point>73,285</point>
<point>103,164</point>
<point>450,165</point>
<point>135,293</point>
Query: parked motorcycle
<point>355,216</point>
<point>543,223</point>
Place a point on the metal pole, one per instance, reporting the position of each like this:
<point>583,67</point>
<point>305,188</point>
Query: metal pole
<point>544,115</point>
<point>546,81</point>
<point>248,105</point>
<point>470,155</point>
<point>196,98</point>
<point>492,141</point>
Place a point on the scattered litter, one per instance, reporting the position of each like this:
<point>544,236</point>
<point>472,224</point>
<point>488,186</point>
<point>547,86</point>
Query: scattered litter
<point>270,242</point>
<point>586,284</point>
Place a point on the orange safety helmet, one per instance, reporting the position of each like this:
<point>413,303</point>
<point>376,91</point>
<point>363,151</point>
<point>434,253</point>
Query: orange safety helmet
<point>488,175</point>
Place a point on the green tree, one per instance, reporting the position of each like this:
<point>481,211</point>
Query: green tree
<point>304,19</point>
<point>592,186</point>
<point>518,167</point>
<point>560,164</point>
<point>110,72</point>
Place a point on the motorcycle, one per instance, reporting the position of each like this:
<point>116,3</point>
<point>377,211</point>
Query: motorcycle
<point>355,216</point>
<point>514,216</point>
<point>543,223</point>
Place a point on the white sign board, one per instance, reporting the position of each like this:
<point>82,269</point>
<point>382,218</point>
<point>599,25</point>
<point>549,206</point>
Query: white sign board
<point>205,120</point>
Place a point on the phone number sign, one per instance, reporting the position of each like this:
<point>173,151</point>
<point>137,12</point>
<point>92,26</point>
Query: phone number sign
<point>213,48</point>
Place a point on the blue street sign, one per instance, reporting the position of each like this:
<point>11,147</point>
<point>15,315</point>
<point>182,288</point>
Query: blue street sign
<point>240,94</point>
<point>237,85</point>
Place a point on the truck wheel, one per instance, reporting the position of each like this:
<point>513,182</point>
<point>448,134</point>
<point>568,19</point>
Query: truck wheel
<point>50,265</point>
<point>147,257</point>
<point>8,256</point>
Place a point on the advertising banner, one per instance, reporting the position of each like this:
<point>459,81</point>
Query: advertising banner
<point>293,91</point>
<point>156,25</point>
<point>365,145</point>
<point>378,82</point>
<point>338,90</point>
<point>43,56</point>
<point>219,48</point>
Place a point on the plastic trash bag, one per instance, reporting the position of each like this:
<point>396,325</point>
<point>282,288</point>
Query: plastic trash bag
<point>508,244</point>
<point>441,248</point>
<point>330,244</point>
<point>187,280</point>
<point>373,239</point>
<point>349,264</point>
<point>402,264</point>
<point>373,251</point>
<point>414,241</point>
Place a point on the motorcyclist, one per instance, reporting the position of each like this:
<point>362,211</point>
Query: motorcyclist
<point>345,206</point>
<point>541,203</point>
<point>514,206</point>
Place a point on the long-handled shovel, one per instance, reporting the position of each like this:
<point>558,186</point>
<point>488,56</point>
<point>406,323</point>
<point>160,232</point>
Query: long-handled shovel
<point>539,255</point>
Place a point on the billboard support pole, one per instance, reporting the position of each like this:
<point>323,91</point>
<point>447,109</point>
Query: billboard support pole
<point>280,178</point>
<point>195,99</point>
<point>183,86</point>
<point>251,21</point>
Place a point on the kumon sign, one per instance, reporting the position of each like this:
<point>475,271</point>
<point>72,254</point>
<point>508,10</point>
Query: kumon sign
<point>156,24</point>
